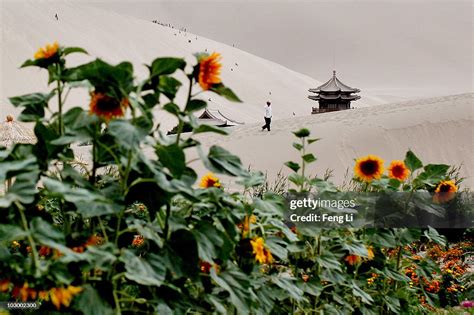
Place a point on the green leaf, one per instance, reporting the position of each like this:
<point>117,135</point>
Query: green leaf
<point>209,241</point>
<point>313,140</point>
<point>434,236</point>
<point>224,91</point>
<point>9,232</point>
<point>166,65</point>
<point>357,291</point>
<point>303,132</point>
<point>297,179</point>
<point>44,232</point>
<point>90,302</point>
<point>292,165</point>
<point>297,146</point>
<point>309,158</point>
<point>225,162</point>
<point>209,128</point>
<point>88,203</point>
<point>72,50</point>
<point>412,161</point>
<point>149,271</point>
<point>169,86</point>
<point>127,135</point>
<point>172,157</point>
<point>116,81</point>
<point>23,189</point>
<point>172,108</point>
<point>181,255</point>
<point>194,105</point>
<point>236,284</point>
<point>33,104</point>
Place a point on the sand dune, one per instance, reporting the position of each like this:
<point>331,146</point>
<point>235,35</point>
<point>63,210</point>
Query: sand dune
<point>438,130</point>
<point>27,25</point>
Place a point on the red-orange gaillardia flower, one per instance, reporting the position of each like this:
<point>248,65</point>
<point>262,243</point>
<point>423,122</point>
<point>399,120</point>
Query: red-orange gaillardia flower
<point>369,168</point>
<point>398,170</point>
<point>209,71</point>
<point>107,107</point>
<point>47,52</point>
<point>445,191</point>
<point>352,259</point>
<point>209,180</point>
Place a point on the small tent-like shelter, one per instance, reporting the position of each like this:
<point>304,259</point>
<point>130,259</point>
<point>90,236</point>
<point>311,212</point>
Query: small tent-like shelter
<point>216,118</point>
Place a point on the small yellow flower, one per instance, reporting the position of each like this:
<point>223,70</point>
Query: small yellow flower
<point>47,52</point>
<point>209,180</point>
<point>370,253</point>
<point>262,254</point>
<point>209,71</point>
<point>398,170</point>
<point>63,296</point>
<point>369,168</point>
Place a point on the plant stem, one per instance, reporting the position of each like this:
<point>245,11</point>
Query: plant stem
<point>181,123</point>
<point>167,217</point>
<point>303,164</point>
<point>32,242</point>
<point>60,102</point>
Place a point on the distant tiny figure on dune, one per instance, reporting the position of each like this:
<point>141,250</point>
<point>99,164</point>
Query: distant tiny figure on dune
<point>189,40</point>
<point>57,17</point>
<point>268,116</point>
<point>294,114</point>
<point>270,92</point>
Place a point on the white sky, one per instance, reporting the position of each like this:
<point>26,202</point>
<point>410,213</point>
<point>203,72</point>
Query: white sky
<point>403,48</point>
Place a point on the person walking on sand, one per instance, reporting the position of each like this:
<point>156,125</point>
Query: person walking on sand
<point>268,116</point>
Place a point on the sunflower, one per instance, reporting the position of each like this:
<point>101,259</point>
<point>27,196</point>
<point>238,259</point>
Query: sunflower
<point>352,259</point>
<point>398,170</point>
<point>209,180</point>
<point>369,168</point>
<point>47,52</point>
<point>106,106</point>
<point>262,254</point>
<point>209,71</point>
<point>63,296</point>
<point>246,225</point>
<point>445,191</point>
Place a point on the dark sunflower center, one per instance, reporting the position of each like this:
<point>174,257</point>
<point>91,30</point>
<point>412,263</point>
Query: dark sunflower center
<point>369,167</point>
<point>397,171</point>
<point>107,103</point>
<point>444,188</point>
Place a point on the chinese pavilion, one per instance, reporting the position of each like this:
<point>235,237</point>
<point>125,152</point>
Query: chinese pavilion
<point>333,96</point>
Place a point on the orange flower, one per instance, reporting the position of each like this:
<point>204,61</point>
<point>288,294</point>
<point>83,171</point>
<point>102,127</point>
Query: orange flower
<point>107,107</point>
<point>209,71</point>
<point>305,278</point>
<point>4,285</point>
<point>247,221</point>
<point>398,170</point>
<point>24,292</point>
<point>369,168</point>
<point>445,191</point>
<point>352,259</point>
<point>48,51</point>
<point>138,240</point>
<point>209,180</point>
<point>63,296</point>
<point>262,254</point>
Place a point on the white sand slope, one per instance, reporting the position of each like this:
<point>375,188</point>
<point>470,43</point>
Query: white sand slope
<point>28,25</point>
<point>438,130</point>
